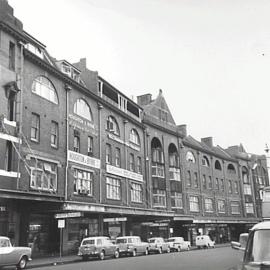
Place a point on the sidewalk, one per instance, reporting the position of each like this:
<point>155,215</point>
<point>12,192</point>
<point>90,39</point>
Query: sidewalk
<point>52,260</point>
<point>56,260</point>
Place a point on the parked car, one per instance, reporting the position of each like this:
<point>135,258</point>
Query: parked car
<point>10,255</point>
<point>204,241</point>
<point>132,245</point>
<point>99,247</point>
<point>158,245</point>
<point>178,244</point>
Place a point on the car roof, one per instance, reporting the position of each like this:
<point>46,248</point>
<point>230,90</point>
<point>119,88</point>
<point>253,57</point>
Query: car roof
<point>261,226</point>
<point>155,238</point>
<point>124,237</point>
<point>96,237</point>
<point>4,237</point>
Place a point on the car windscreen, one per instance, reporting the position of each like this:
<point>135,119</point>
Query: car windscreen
<point>258,249</point>
<point>121,241</point>
<point>4,243</point>
<point>88,242</point>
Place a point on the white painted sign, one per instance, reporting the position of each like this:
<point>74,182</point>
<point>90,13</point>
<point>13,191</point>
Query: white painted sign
<point>61,223</point>
<point>115,219</point>
<point>117,139</point>
<point>68,215</point>
<point>83,159</point>
<point>124,173</point>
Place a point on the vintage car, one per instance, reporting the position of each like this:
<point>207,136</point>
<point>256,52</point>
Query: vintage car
<point>10,255</point>
<point>178,244</point>
<point>99,247</point>
<point>204,241</point>
<point>255,247</point>
<point>131,245</point>
<point>158,245</point>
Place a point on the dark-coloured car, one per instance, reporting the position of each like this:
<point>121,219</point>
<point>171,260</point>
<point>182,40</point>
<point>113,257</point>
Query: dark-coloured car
<point>10,255</point>
<point>132,245</point>
<point>99,247</point>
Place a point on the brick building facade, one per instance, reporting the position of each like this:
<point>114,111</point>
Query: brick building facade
<point>74,147</point>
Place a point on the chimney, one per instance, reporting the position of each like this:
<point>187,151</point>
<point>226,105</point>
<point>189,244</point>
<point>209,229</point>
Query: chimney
<point>144,99</point>
<point>208,141</point>
<point>182,129</point>
<point>6,15</point>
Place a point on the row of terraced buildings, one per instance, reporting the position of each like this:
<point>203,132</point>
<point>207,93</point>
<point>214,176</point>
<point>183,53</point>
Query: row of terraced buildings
<point>75,148</point>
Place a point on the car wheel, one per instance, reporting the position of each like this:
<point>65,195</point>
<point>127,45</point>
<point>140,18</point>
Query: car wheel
<point>22,263</point>
<point>146,252</point>
<point>134,253</point>
<point>178,249</point>
<point>168,250</point>
<point>102,255</point>
<point>116,254</point>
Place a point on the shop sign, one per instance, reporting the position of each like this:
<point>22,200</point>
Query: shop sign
<point>116,219</point>
<point>80,123</point>
<point>91,208</point>
<point>159,225</point>
<point>83,159</point>
<point>124,173</point>
<point>61,223</point>
<point>204,221</point>
<point>68,215</point>
<point>117,139</point>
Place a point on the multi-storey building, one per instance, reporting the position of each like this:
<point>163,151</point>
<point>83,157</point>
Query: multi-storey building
<point>74,148</point>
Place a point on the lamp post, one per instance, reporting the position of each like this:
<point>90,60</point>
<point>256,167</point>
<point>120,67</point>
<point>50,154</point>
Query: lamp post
<point>267,151</point>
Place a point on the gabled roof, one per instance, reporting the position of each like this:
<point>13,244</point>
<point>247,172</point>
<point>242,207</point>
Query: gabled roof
<point>154,107</point>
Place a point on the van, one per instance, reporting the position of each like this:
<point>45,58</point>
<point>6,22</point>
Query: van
<point>204,241</point>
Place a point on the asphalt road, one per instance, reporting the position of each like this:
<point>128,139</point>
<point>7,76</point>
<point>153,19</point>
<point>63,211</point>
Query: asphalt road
<point>208,259</point>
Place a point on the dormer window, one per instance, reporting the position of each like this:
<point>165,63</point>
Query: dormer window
<point>66,69</point>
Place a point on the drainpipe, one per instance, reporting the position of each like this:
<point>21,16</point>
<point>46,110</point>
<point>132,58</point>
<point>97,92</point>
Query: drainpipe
<point>20,110</point>
<point>100,106</point>
<point>68,89</point>
<point>126,158</point>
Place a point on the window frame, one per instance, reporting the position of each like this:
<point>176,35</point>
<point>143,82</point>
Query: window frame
<point>35,128</point>
<point>79,109</point>
<point>54,135</point>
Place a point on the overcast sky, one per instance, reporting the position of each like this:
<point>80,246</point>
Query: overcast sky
<point>210,58</point>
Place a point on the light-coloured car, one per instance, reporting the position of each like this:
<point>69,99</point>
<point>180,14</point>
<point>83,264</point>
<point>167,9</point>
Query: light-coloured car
<point>10,255</point>
<point>158,245</point>
<point>178,244</point>
<point>132,245</point>
<point>204,241</point>
<point>99,247</point>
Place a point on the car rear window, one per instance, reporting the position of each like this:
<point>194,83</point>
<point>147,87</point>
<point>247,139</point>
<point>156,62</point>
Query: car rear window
<point>88,242</point>
<point>170,240</point>
<point>121,241</point>
<point>152,240</point>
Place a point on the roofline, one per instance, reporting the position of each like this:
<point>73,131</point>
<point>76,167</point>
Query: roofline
<point>37,42</point>
<point>134,103</point>
<point>208,151</point>
<point>64,60</point>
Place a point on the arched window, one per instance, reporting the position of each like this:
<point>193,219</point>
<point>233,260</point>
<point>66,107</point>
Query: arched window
<point>134,137</point>
<point>112,125</point>
<point>245,175</point>
<point>205,161</point>
<point>231,169</point>
<point>218,165</point>
<point>173,156</point>
<point>82,109</point>
<point>190,157</point>
<point>44,88</point>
